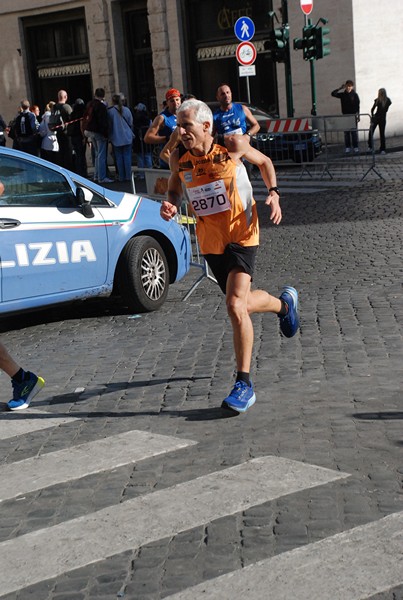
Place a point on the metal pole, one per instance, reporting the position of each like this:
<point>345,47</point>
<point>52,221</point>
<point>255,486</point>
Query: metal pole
<point>313,86</point>
<point>247,88</point>
<point>287,63</point>
<point>312,72</point>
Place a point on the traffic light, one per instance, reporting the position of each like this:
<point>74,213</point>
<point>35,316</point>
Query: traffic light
<point>313,42</point>
<point>278,44</point>
<point>322,41</point>
<point>309,42</point>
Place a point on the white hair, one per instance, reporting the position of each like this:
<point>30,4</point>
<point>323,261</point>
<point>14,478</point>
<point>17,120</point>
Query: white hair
<point>202,112</point>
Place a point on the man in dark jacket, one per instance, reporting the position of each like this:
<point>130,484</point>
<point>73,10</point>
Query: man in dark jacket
<point>26,130</point>
<point>95,124</point>
<point>350,105</point>
<point>77,139</point>
<point>65,158</point>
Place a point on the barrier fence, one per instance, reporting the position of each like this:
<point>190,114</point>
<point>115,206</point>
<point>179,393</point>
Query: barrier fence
<point>318,144</point>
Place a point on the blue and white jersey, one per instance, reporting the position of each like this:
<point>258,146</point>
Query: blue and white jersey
<point>230,121</point>
<point>169,123</point>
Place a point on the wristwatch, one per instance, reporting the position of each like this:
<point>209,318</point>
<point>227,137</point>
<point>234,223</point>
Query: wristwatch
<point>274,189</point>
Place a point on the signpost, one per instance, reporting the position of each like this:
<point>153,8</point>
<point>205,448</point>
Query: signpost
<point>244,29</point>
<point>306,6</point>
<point>246,53</point>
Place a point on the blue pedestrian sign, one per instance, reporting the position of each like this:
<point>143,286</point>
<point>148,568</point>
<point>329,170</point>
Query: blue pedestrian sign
<point>244,29</point>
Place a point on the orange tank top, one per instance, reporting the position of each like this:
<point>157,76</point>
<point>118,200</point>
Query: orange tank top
<point>220,195</point>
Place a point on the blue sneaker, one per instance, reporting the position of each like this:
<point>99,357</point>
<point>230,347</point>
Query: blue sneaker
<point>25,391</point>
<point>289,323</point>
<point>241,398</point>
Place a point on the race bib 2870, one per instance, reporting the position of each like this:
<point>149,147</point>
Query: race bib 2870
<point>209,199</point>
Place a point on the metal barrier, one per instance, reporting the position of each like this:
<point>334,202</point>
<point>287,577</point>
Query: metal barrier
<point>156,185</point>
<point>345,137</point>
<point>317,144</point>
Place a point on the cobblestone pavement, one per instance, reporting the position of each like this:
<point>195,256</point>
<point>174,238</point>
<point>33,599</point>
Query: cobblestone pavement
<point>330,398</point>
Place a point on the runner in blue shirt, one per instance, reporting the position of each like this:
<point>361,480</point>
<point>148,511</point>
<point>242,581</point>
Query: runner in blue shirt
<point>232,117</point>
<point>164,124</point>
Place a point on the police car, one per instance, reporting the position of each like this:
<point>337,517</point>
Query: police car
<point>64,238</point>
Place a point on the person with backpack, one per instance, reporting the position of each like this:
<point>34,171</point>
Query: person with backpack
<point>27,130</point>
<point>121,135</point>
<point>59,117</point>
<point>95,127</point>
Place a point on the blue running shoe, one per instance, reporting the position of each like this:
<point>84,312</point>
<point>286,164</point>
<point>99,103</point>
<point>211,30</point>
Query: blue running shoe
<point>241,398</point>
<point>25,391</point>
<point>289,323</point>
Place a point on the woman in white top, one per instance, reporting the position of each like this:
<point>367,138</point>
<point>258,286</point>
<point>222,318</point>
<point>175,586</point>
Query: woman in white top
<point>121,135</point>
<point>50,145</point>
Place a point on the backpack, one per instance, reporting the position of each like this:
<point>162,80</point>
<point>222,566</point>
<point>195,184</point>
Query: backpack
<point>23,125</point>
<point>56,122</point>
<point>85,123</point>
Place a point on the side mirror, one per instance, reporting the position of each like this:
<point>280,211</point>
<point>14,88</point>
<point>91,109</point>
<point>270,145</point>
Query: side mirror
<point>84,202</point>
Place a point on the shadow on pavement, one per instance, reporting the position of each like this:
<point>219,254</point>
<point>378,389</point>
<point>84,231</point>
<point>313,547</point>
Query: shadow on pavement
<point>379,416</point>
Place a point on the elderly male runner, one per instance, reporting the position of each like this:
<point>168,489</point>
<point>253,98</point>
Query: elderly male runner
<point>220,195</point>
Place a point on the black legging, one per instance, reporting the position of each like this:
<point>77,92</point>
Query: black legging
<point>381,123</point>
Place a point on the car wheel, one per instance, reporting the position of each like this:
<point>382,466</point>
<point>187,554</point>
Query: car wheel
<point>143,274</point>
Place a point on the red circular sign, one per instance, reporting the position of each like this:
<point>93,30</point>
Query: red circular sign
<point>306,6</point>
<point>246,53</point>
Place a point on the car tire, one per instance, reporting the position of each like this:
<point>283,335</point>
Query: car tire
<point>143,274</point>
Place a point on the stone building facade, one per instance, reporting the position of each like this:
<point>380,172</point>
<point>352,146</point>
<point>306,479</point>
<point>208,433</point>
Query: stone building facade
<point>142,47</point>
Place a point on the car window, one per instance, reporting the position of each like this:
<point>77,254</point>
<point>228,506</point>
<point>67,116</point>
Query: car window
<point>29,184</point>
<point>97,199</point>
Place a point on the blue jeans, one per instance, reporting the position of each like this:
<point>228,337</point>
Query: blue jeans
<point>123,157</point>
<point>100,145</point>
<point>144,161</point>
<point>351,138</point>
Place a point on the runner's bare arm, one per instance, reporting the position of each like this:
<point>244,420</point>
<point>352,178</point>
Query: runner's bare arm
<point>239,148</point>
<point>170,206</point>
<point>170,145</point>
<point>254,125</point>
<point>152,136</point>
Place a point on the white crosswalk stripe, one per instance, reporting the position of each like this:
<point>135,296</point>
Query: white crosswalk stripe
<point>14,424</point>
<point>352,565</point>
<point>50,552</point>
<point>78,461</point>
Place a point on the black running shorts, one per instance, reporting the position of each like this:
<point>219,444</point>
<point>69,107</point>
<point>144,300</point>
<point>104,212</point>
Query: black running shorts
<point>235,256</point>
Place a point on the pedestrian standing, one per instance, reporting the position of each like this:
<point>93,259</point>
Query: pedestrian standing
<point>63,110</point>
<point>220,195</point>
<point>49,145</point>
<point>378,119</point>
<point>143,151</point>
<point>95,128</point>
<point>350,105</point>
<point>78,141</point>
<point>120,121</point>
<point>26,130</point>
